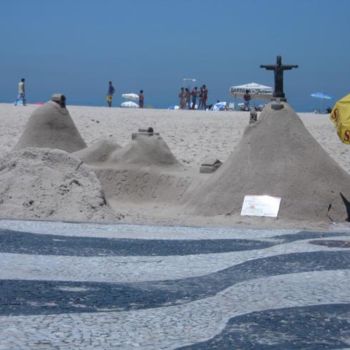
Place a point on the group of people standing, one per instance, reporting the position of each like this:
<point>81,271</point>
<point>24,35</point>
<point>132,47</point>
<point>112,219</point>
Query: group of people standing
<point>188,99</point>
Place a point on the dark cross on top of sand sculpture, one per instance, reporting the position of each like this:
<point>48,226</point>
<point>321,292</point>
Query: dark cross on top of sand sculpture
<point>278,69</point>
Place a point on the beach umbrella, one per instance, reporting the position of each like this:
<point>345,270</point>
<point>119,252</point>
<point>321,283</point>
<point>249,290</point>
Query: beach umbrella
<point>131,96</point>
<point>340,116</point>
<point>220,106</point>
<point>129,104</point>
<point>321,96</point>
<point>256,90</point>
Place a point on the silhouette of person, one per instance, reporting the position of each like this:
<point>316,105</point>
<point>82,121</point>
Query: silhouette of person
<point>247,97</point>
<point>110,94</point>
<point>21,93</point>
<point>141,99</point>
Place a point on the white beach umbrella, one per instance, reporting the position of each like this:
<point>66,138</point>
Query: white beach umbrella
<point>321,96</point>
<point>131,96</point>
<point>129,104</point>
<point>220,106</point>
<point>256,90</point>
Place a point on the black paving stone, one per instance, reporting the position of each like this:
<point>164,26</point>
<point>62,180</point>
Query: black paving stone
<point>332,243</point>
<point>304,235</point>
<point>315,327</point>
<point>31,243</point>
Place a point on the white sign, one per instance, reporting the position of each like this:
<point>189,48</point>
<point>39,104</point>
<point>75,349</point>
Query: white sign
<point>261,206</point>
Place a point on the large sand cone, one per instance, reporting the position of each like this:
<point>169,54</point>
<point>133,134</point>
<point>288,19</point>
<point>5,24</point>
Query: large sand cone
<point>51,126</point>
<point>277,156</point>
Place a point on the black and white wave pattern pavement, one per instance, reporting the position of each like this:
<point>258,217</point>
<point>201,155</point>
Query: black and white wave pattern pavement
<point>85,286</point>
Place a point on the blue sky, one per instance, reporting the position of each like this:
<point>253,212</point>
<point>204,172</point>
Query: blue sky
<point>77,46</point>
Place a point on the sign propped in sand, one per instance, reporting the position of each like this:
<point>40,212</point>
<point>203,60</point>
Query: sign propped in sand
<point>261,206</point>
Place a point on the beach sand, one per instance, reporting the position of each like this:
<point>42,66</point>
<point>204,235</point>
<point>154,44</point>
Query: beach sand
<point>146,192</point>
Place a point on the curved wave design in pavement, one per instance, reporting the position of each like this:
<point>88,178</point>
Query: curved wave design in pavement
<point>31,243</point>
<point>20,297</point>
<point>250,290</point>
<point>308,328</point>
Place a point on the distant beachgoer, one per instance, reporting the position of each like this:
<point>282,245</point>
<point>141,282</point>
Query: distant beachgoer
<point>182,98</point>
<point>21,92</point>
<point>194,94</point>
<point>141,99</point>
<point>200,104</point>
<point>110,94</point>
<point>247,97</point>
<point>204,97</point>
<point>188,98</point>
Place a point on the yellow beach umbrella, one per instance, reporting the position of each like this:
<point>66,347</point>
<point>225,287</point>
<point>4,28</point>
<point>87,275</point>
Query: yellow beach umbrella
<point>340,116</point>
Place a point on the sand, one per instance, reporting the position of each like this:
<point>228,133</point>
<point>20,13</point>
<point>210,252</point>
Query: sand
<point>140,189</point>
<point>279,157</point>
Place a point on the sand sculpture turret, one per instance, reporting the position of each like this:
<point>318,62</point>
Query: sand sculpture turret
<point>145,170</point>
<point>277,156</point>
<point>145,149</point>
<point>98,152</point>
<point>51,126</point>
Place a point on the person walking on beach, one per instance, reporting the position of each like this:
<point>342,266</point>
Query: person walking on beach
<point>141,99</point>
<point>182,98</point>
<point>21,93</point>
<point>110,94</point>
<point>194,94</point>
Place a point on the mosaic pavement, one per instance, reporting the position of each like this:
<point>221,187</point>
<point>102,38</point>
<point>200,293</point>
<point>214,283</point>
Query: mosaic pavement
<point>85,286</point>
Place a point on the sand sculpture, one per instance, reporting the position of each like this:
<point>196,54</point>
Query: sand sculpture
<point>145,149</point>
<point>98,152</point>
<point>145,170</point>
<point>41,183</point>
<point>277,156</point>
<point>51,126</point>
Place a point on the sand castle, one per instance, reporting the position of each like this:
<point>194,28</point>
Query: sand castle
<point>42,183</point>
<point>51,126</point>
<point>145,149</point>
<point>277,156</point>
<point>145,170</point>
<point>98,152</point>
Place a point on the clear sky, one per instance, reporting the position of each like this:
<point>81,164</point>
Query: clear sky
<point>77,46</point>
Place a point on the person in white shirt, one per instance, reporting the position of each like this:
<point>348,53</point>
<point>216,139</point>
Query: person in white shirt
<point>21,93</point>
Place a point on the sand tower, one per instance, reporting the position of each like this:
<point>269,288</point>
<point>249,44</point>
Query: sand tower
<point>51,126</point>
<point>277,156</point>
<point>145,170</point>
<point>98,152</point>
<point>145,149</point>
